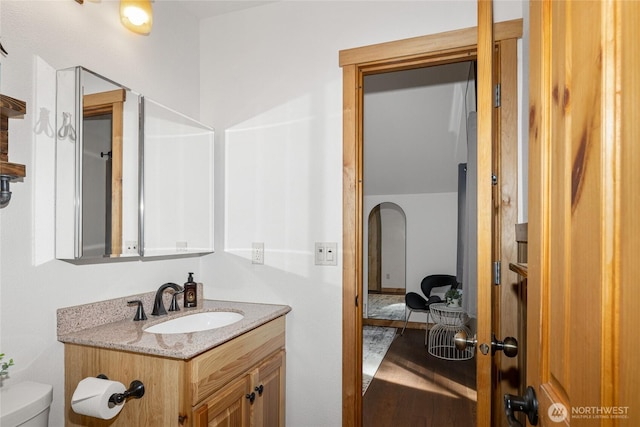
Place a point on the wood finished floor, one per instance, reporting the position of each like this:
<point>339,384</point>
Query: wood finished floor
<point>414,389</point>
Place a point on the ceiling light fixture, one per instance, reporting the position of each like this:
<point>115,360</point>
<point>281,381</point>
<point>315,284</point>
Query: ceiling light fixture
<point>136,15</point>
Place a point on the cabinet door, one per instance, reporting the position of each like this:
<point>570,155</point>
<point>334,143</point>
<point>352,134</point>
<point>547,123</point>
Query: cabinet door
<point>268,384</point>
<point>228,408</point>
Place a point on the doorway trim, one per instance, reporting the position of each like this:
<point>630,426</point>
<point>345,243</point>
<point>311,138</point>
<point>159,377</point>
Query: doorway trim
<point>442,48</point>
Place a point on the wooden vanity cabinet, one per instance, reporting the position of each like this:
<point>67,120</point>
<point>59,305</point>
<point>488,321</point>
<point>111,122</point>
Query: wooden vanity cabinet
<point>256,399</point>
<point>230,407</point>
<point>212,389</point>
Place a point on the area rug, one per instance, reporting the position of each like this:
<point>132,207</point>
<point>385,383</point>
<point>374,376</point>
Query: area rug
<point>375,343</point>
<point>383,306</point>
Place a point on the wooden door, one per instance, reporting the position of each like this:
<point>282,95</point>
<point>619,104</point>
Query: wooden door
<point>584,231</point>
<point>487,323</point>
<point>375,251</point>
<point>497,374</point>
<point>506,294</point>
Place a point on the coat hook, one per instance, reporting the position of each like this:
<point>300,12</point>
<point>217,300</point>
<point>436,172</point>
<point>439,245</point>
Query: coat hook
<point>4,52</point>
<point>67,129</point>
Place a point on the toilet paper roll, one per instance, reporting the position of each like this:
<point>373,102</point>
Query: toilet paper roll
<point>91,398</point>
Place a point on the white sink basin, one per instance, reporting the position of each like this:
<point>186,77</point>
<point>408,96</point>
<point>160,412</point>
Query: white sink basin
<point>196,322</point>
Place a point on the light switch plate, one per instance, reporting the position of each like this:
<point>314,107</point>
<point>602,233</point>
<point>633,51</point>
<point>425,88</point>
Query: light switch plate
<point>326,253</point>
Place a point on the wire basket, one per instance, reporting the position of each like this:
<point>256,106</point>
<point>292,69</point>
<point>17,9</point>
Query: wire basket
<point>441,343</point>
<point>449,321</point>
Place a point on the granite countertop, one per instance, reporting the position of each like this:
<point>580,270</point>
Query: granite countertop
<point>129,335</point>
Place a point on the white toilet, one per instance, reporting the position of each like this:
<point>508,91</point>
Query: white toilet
<point>25,404</point>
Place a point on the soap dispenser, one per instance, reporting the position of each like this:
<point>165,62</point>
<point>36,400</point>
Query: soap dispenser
<point>190,292</point>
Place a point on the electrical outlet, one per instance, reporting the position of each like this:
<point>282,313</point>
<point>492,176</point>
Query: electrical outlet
<point>131,247</point>
<point>181,246</point>
<point>257,253</point>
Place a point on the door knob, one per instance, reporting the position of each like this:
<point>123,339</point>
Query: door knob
<point>509,346</point>
<point>527,404</point>
<point>462,341</point>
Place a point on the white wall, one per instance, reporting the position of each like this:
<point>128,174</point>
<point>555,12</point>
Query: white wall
<point>163,66</point>
<point>272,87</point>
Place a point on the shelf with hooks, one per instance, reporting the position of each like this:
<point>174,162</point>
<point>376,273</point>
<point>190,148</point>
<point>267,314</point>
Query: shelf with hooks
<point>10,108</point>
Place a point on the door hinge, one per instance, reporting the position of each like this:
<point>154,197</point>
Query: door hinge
<point>357,300</point>
<point>497,96</point>
<point>496,272</point>
<point>494,179</point>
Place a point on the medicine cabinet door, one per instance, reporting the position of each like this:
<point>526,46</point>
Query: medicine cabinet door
<point>177,183</point>
<point>97,198</point>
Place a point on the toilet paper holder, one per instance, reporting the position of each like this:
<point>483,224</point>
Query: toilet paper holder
<point>135,391</point>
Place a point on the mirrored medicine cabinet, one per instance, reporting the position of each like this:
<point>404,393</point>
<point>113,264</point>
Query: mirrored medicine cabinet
<point>133,177</point>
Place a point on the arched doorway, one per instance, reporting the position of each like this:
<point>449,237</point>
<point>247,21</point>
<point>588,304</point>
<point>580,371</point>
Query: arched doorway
<point>386,262</point>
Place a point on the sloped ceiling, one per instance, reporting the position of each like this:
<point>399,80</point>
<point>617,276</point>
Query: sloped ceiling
<point>415,129</point>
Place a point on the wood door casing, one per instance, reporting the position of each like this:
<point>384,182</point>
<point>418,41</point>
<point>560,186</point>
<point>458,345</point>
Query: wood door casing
<point>452,46</point>
<point>583,227</point>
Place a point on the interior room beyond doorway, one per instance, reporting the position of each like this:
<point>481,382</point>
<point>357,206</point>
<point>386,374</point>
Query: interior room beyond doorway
<point>414,137</point>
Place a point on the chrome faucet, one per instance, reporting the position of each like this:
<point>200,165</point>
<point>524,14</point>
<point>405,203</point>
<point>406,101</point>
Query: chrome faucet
<point>158,304</point>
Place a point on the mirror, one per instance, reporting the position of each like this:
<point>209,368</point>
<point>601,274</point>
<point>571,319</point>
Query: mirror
<point>177,183</point>
<point>133,178</point>
<point>97,161</point>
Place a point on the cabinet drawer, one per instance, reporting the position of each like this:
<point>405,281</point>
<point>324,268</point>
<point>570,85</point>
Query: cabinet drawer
<point>210,371</point>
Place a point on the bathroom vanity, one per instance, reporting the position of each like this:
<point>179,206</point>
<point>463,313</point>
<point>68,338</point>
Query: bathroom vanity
<point>232,375</point>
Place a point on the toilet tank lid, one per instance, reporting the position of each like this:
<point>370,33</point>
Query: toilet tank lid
<point>22,401</point>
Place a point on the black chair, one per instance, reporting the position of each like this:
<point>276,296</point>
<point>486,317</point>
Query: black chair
<point>416,302</point>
